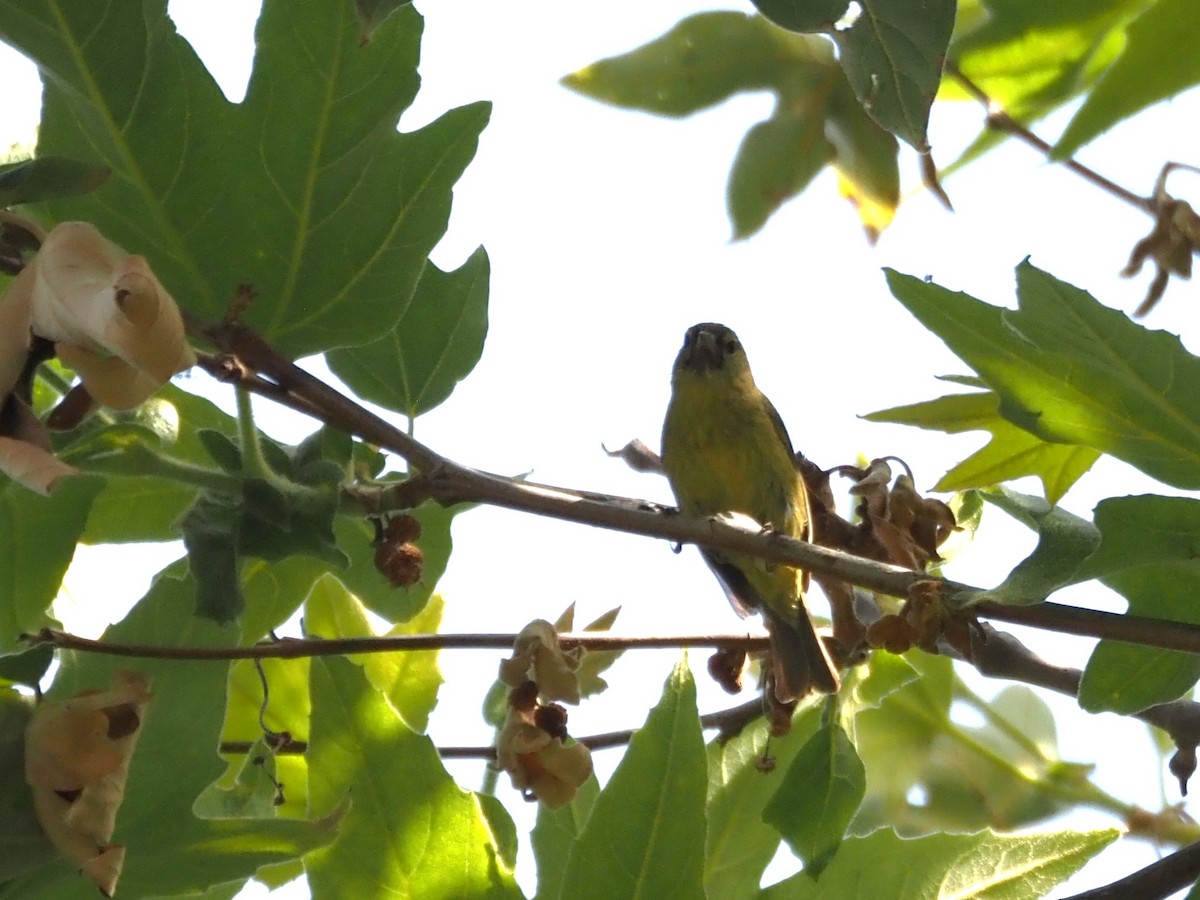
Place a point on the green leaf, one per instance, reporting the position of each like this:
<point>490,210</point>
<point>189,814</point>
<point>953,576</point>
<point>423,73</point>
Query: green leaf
<point>371,14</point>
<point>777,160</point>
<point>885,673</point>
<point>1001,774</point>
<point>554,835</point>
<point>40,534</point>
<point>884,866</point>
<point>28,667</point>
<point>1148,554</point>
<point>703,60</point>
<point>503,829</point>
<point>1031,58</point>
<point>1011,453</point>
<point>709,57</point>
<point>174,761</point>
<point>645,836</point>
<point>1065,541</point>
<point>819,796</point>
<point>252,794</point>
<point>803,15</point>
<point>47,178</point>
<point>1072,371</point>
<point>926,772</point>
<point>410,830</point>
<point>436,343</point>
<point>409,681</point>
<point>142,507</point>
<point>896,739</point>
<point>290,512</point>
<point>893,55</point>
<point>1153,66</point>
<point>210,534</point>
<point>740,844</point>
<point>287,710</point>
<point>866,160</point>
<point>335,211</point>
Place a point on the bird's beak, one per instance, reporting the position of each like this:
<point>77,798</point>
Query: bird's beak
<point>705,352</point>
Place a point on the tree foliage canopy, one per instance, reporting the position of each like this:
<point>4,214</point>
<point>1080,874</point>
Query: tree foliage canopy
<point>300,222</point>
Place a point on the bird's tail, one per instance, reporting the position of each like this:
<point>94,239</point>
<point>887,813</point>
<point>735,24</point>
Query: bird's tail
<point>799,659</point>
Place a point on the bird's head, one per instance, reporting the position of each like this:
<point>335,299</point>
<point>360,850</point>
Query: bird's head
<point>713,351</point>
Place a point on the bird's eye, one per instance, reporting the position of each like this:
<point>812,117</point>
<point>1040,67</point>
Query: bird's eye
<point>731,346</point>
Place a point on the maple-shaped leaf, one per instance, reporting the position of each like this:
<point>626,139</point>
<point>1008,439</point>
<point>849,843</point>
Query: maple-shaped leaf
<point>1073,371</point>
<point>1031,58</point>
<point>708,58</point>
<point>305,190</point>
<point>1011,452</point>
<point>1152,67</point>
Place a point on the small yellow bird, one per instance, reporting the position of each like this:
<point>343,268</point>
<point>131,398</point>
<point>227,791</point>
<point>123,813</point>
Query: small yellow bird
<point>725,450</point>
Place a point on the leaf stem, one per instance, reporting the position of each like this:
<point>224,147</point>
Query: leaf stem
<point>254,464</point>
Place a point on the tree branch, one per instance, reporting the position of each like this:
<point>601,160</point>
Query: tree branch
<point>1000,120</point>
<point>997,654</point>
<point>729,721</point>
<point>1158,880</point>
<point>296,648</point>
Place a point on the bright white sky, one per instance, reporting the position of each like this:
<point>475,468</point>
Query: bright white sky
<point>608,237</point>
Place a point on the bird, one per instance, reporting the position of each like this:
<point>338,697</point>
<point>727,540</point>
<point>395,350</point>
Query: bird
<point>725,450</point>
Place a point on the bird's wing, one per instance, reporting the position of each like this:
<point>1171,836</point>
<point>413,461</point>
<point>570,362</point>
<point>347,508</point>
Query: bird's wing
<point>742,595</point>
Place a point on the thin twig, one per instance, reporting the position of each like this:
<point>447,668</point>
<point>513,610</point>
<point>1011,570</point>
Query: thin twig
<point>1002,121</point>
<point>295,648</point>
<point>1140,630</point>
<point>729,721</point>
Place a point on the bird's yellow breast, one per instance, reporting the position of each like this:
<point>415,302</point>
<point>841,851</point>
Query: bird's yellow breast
<point>723,453</point>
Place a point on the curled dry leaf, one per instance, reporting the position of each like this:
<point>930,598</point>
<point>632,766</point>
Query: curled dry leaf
<point>638,457</point>
<point>908,526</point>
<point>1171,243</point>
<point>538,657</point>
<point>109,316</point>
<point>77,754</point>
<point>30,465</point>
<point>105,314</point>
<point>533,747</point>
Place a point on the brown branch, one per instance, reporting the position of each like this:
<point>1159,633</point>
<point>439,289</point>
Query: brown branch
<point>450,483</point>
<point>729,721</point>
<point>997,654</point>
<point>295,648</point>
<point>1158,880</point>
<point>1000,120</point>
<point>1142,630</point>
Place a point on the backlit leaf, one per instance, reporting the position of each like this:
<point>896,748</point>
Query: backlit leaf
<point>645,835</point>
<point>982,866</point>
<point>304,190</point>
<point>436,343</point>
<point>893,55</point>
<point>1154,65</point>
<point>1148,555</point>
<point>1072,371</point>
<point>1010,453</point>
